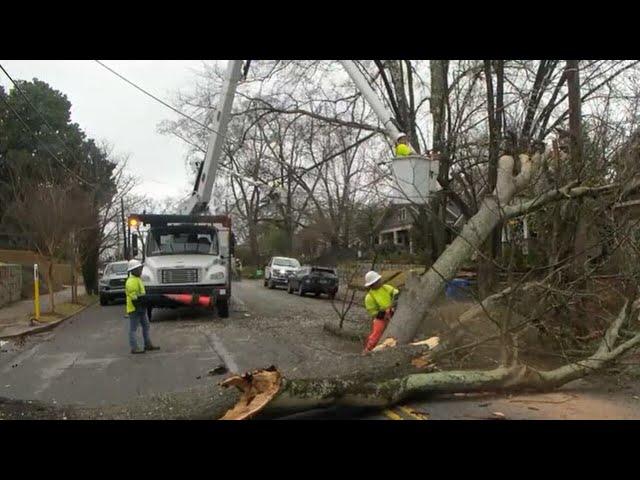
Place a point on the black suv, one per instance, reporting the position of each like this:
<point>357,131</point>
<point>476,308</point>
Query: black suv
<point>314,279</point>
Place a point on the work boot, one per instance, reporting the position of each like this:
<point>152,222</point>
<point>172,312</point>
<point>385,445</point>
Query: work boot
<point>137,350</point>
<point>151,347</point>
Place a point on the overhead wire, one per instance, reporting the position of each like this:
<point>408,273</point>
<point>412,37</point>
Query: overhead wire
<point>179,112</point>
<point>169,106</point>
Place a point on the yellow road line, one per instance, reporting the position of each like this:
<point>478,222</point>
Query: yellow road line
<point>392,415</point>
<point>413,413</point>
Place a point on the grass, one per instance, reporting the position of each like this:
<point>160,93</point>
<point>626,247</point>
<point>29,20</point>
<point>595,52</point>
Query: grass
<point>66,309</point>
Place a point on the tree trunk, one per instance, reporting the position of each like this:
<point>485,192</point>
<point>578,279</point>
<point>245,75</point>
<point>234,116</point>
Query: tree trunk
<point>572,72</point>
<point>253,245</point>
<point>438,108</point>
<point>420,293</point>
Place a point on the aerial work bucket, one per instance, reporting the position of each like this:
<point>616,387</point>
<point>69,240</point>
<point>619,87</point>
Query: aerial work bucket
<point>416,177</point>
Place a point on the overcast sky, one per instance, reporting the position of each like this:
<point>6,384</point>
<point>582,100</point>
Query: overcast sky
<point>107,108</point>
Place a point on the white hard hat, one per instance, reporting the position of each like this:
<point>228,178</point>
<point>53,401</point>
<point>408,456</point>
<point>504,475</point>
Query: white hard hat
<point>371,277</point>
<point>400,135</point>
<point>133,264</point>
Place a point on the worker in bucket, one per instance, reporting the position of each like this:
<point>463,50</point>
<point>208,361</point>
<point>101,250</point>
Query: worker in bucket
<point>380,303</point>
<point>402,145</point>
<point>403,148</point>
<point>134,289</point>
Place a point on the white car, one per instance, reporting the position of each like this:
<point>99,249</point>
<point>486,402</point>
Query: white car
<point>278,271</point>
<point>111,284</point>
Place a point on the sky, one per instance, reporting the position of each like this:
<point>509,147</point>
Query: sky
<point>107,108</point>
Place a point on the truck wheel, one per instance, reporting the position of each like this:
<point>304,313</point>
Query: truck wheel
<point>300,291</point>
<point>289,288</point>
<point>265,282</point>
<point>317,294</point>
<point>271,284</point>
<point>104,300</point>
<point>223,307</point>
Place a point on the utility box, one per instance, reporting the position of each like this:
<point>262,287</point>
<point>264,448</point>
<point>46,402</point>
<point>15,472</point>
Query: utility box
<point>416,178</point>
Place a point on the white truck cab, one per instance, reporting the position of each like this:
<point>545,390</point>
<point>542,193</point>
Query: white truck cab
<point>187,261</point>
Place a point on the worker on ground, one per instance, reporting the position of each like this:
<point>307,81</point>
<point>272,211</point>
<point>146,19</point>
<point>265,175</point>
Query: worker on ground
<point>380,304</point>
<point>402,145</point>
<point>134,289</point>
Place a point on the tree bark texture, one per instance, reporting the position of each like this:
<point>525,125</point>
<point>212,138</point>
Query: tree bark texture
<point>420,293</point>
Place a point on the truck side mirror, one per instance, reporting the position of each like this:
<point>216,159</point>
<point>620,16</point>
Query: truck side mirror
<point>134,244</point>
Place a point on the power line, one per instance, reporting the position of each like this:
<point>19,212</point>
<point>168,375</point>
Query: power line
<point>46,122</point>
<point>156,98</point>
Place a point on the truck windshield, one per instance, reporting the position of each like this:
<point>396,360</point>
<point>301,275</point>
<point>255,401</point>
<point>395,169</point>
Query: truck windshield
<point>182,239</point>
<point>323,272</point>
<point>286,262</point>
<point>116,269</point>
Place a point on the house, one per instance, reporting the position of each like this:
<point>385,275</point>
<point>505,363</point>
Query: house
<point>398,221</point>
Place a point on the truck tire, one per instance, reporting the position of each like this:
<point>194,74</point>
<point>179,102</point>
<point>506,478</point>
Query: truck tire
<point>289,288</point>
<point>265,282</point>
<point>300,290</point>
<point>104,300</point>
<point>271,284</point>
<point>222,306</point>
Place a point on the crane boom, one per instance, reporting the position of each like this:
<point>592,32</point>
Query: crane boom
<point>199,201</point>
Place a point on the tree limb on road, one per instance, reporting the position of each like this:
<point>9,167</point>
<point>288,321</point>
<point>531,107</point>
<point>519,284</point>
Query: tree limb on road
<point>267,390</point>
<point>379,379</point>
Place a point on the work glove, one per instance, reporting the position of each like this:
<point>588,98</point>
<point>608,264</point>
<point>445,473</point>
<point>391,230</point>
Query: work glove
<point>395,301</point>
<point>140,302</point>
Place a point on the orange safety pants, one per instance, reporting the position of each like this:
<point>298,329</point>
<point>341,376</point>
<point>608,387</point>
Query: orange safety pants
<point>377,329</point>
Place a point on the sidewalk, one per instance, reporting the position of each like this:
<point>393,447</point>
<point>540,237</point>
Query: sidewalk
<point>15,319</point>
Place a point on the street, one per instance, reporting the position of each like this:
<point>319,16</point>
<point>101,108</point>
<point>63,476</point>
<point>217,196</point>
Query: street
<point>86,361</point>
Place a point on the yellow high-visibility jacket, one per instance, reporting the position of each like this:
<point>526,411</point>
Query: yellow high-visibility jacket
<point>402,150</point>
<point>133,289</point>
<point>380,299</point>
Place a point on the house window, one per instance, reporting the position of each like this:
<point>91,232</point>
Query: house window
<point>403,214</point>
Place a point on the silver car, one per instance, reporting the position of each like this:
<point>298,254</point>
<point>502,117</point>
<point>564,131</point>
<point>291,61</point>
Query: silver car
<point>111,285</point>
<point>278,271</point>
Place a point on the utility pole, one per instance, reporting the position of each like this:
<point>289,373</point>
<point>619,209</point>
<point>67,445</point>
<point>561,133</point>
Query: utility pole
<point>125,250</point>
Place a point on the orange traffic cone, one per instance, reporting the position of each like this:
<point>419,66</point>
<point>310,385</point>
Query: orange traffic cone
<point>189,299</point>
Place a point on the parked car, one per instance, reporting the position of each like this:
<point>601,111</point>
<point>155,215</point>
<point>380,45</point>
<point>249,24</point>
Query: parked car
<point>278,271</point>
<point>111,284</point>
<point>317,280</point>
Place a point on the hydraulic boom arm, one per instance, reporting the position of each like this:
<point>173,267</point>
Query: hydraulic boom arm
<point>198,202</point>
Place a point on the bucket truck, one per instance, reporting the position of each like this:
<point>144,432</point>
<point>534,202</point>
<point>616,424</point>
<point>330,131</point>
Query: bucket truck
<point>188,256</point>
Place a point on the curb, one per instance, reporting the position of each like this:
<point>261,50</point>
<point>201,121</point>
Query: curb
<point>48,326</point>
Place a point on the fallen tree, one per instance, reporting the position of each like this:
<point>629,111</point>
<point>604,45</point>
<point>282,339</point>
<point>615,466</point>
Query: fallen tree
<point>379,379</point>
<point>421,291</point>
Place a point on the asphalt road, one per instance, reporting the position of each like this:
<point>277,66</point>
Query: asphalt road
<point>86,360</point>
